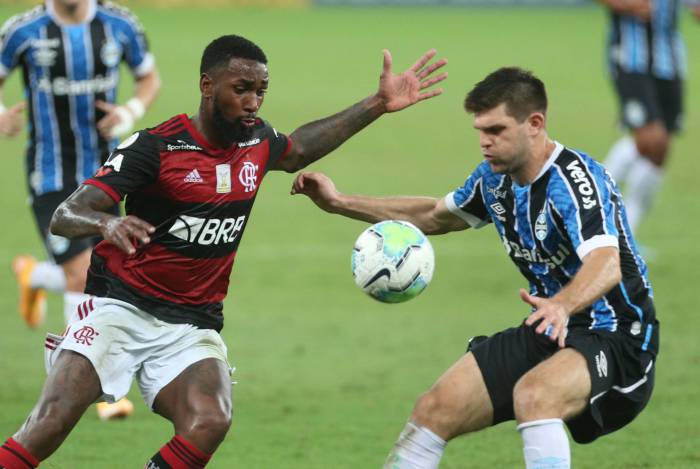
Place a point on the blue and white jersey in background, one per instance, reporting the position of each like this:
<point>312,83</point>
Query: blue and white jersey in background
<point>654,47</point>
<point>65,69</point>
<point>549,226</point>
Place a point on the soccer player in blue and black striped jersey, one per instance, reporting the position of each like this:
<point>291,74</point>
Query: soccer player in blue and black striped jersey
<point>69,53</point>
<point>647,62</point>
<point>585,355</point>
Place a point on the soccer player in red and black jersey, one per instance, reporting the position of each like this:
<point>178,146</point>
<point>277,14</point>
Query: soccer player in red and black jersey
<point>159,277</point>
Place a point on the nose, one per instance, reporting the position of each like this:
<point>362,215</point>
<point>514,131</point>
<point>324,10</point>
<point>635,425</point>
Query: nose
<point>251,104</point>
<point>484,140</point>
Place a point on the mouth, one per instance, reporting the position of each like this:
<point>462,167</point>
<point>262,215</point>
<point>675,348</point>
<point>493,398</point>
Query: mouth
<point>248,122</point>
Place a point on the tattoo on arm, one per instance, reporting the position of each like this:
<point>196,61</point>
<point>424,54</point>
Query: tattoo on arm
<point>316,139</point>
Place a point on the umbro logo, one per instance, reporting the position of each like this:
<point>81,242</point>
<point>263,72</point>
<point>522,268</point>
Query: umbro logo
<point>193,177</point>
<point>601,363</point>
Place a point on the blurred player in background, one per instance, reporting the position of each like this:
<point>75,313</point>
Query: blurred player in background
<point>647,64</point>
<point>69,52</point>
<point>162,272</point>
<point>585,355</point>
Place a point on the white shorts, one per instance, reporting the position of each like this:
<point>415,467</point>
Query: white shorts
<point>121,342</point>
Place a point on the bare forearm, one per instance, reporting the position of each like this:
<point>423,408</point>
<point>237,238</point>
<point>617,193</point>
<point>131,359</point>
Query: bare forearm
<point>74,221</point>
<point>147,88</point>
<point>316,139</point>
<point>416,210</point>
<point>597,276</point>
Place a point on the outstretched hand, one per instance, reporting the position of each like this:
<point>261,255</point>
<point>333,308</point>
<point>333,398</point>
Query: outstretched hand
<point>11,120</point>
<point>318,187</point>
<point>551,313</point>
<point>399,91</point>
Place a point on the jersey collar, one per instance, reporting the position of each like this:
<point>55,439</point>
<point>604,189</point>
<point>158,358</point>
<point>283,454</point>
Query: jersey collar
<point>558,147</point>
<point>89,16</point>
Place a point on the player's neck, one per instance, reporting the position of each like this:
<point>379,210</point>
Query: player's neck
<point>74,13</point>
<point>541,151</point>
<point>210,132</point>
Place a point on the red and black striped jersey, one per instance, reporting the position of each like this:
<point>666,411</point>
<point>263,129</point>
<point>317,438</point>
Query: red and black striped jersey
<point>199,198</point>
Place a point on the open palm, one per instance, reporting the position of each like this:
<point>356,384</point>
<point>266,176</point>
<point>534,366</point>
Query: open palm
<point>398,91</point>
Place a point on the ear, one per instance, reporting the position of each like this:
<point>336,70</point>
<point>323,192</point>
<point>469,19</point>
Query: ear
<point>206,86</point>
<point>536,122</point>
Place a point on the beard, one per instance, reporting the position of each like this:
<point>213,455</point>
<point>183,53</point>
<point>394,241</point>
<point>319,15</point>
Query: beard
<point>232,130</point>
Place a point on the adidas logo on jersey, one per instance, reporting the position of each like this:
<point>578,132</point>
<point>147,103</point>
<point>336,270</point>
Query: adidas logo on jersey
<point>193,177</point>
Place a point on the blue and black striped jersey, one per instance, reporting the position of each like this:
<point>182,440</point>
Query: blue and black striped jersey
<point>654,47</point>
<point>65,69</point>
<point>550,225</point>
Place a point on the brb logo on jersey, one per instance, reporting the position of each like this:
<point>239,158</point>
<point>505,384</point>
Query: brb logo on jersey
<point>207,231</point>
<point>249,176</point>
<point>583,184</point>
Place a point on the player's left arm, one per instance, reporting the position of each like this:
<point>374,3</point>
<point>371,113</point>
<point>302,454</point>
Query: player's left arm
<point>120,119</point>
<point>314,140</point>
<point>11,119</point>
<point>599,273</point>
<point>585,198</point>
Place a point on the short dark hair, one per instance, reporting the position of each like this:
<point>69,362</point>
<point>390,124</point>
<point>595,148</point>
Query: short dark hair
<point>221,50</point>
<point>521,91</point>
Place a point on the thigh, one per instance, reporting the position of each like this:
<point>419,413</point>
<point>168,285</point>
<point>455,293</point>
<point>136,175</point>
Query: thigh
<point>504,358</point>
<point>639,102</point>
<point>457,403</point>
<point>203,387</point>
<point>562,381</point>
<point>60,249</point>
<point>670,93</point>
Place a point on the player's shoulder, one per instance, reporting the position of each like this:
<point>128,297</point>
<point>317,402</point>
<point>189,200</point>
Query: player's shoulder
<point>140,142</point>
<point>116,12</point>
<point>23,20</point>
<point>173,136</point>
<point>263,129</point>
<point>571,162</point>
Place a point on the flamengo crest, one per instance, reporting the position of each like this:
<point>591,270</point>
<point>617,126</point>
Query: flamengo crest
<point>249,176</point>
<point>85,335</point>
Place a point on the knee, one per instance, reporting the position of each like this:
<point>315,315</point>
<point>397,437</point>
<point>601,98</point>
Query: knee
<point>653,143</point>
<point>210,427</point>
<point>531,401</point>
<point>437,414</point>
<point>426,408</point>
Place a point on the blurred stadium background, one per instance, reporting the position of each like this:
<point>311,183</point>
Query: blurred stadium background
<point>326,376</point>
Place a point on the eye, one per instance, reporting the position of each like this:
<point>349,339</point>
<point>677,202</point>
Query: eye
<point>239,89</point>
<point>262,92</point>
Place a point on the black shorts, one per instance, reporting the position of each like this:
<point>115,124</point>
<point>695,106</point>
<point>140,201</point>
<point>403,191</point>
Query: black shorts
<point>60,249</point>
<point>622,378</point>
<point>644,98</point>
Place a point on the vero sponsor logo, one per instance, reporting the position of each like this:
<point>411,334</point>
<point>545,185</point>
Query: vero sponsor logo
<point>583,184</point>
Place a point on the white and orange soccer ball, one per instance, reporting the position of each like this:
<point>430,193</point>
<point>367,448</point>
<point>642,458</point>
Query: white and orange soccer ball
<point>392,261</point>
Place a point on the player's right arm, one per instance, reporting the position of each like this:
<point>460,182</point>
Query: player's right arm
<point>10,118</point>
<point>134,164</point>
<point>427,213</point>
<point>84,214</point>
<point>641,9</point>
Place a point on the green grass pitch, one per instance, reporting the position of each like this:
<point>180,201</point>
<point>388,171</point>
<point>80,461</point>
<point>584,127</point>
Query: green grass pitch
<point>327,376</point>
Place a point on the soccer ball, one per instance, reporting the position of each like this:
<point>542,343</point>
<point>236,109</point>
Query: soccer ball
<point>392,261</point>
